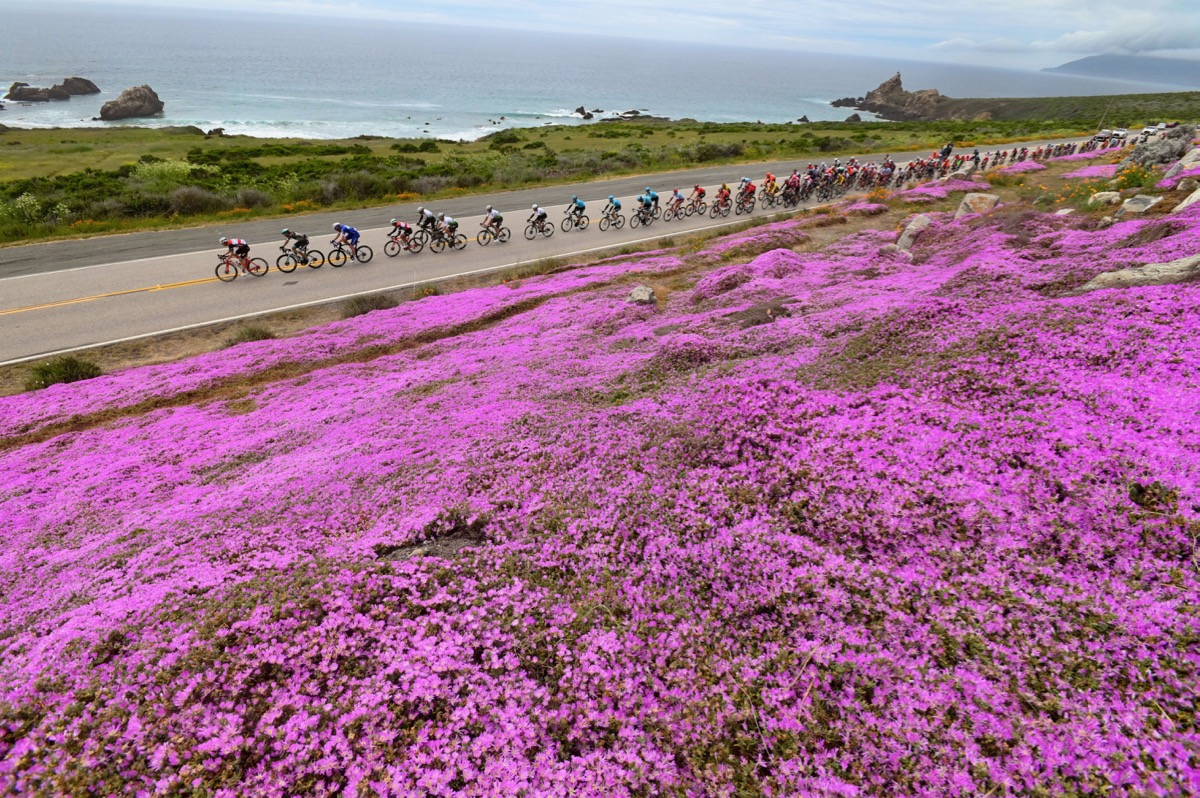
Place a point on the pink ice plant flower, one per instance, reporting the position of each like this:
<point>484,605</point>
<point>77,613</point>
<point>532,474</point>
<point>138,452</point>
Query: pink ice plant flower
<point>819,523</point>
<point>1092,172</point>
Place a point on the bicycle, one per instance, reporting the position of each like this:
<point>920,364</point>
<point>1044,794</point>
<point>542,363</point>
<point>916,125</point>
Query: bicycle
<point>745,203</point>
<point>291,258</point>
<point>487,235</point>
<point>230,264</point>
<point>441,240</point>
<point>641,217</point>
<point>414,243</point>
<point>770,199</point>
<point>338,256</point>
<point>536,226</point>
<point>720,207</point>
<point>612,219</point>
<point>571,219</point>
<point>674,211</point>
<point>696,206</point>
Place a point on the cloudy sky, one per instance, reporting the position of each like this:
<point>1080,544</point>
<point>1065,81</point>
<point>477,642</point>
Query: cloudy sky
<point>1011,33</point>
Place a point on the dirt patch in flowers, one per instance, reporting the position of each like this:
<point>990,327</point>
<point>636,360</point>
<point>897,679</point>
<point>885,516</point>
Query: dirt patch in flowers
<point>1152,233</point>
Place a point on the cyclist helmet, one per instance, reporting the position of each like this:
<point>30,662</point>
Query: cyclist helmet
<point>337,226</point>
<point>441,216</point>
<point>647,189</point>
<point>574,197</point>
<point>489,208</point>
<point>285,232</point>
<point>224,240</point>
<point>535,206</point>
<point>610,197</point>
<point>421,209</point>
<point>395,222</point>
<point>697,186</point>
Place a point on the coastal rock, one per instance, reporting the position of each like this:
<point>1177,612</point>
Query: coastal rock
<point>847,102</point>
<point>976,203</point>
<point>642,295</point>
<point>137,101</point>
<point>1138,204</point>
<point>1173,146</point>
<point>804,120</point>
<point>78,86</point>
<point>891,101</point>
<point>1184,270</point>
<point>1105,198</point>
<point>23,92</point>
<point>912,230</point>
<point>854,118</point>
<point>584,112</point>
<point>1192,199</point>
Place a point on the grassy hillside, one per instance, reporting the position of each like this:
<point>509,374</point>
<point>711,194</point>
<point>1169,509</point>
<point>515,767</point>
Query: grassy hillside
<point>1122,110</point>
<point>826,518</point>
<point>76,182</point>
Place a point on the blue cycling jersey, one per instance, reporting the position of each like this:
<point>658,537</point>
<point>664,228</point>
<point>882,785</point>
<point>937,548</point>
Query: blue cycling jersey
<point>579,204</point>
<point>652,196</point>
<point>350,233</point>
<point>616,204</point>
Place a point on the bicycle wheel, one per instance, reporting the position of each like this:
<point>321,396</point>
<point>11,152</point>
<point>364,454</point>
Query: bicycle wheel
<point>716,210</point>
<point>726,207</point>
<point>437,244</point>
<point>582,222</point>
<point>635,220</point>
<point>531,232</point>
<point>258,267</point>
<point>458,241</point>
<point>503,235</point>
<point>365,253</point>
<point>484,237</point>
<point>226,273</point>
<point>618,222</point>
<point>566,224</point>
<point>314,258</point>
<point>415,244</point>
<point>391,248</point>
<point>286,263</point>
<point>337,258</point>
<point>547,229</point>
<point>657,212</point>
<point>603,223</point>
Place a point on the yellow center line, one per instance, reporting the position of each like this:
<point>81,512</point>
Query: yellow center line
<point>109,295</point>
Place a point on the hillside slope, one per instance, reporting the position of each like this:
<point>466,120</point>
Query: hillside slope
<point>824,520</point>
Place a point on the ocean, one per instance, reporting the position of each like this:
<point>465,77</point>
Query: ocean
<point>310,77</point>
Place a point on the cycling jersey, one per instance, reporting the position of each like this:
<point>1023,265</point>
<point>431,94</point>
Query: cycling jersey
<point>349,234</point>
<point>615,205</point>
<point>652,197</point>
<point>427,219</point>
<point>579,206</point>
<point>236,242</point>
<point>494,216</point>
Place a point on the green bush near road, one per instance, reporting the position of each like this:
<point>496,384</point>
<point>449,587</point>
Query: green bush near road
<point>61,369</point>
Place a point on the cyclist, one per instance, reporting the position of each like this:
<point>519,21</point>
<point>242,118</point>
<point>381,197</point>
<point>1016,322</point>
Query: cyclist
<point>769,184</point>
<point>299,241</point>
<point>747,192</point>
<point>652,196</point>
<point>448,225</point>
<point>492,219</point>
<point>647,207</point>
<point>723,193</point>
<point>401,230</point>
<point>613,207</point>
<point>697,193</point>
<point>538,216</point>
<point>425,219</point>
<point>676,200</point>
<point>575,207</point>
<point>238,247</point>
<point>347,235</point>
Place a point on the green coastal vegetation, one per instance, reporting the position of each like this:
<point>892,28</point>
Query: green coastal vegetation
<point>73,182</point>
<point>70,182</point>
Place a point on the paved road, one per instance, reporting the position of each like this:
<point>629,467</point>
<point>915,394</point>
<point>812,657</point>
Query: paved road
<point>71,295</point>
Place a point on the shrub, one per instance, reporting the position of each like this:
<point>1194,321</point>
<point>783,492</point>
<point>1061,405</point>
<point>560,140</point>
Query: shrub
<point>359,305</point>
<point>187,200</point>
<point>249,333</point>
<point>61,369</point>
<point>428,146</point>
<point>253,198</point>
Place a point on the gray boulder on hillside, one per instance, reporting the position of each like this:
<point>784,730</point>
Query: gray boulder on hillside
<point>1184,270</point>
<point>137,101</point>
<point>1157,151</point>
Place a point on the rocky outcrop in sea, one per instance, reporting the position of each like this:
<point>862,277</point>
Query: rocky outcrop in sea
<point>136,101</point>
<point>23,92</point>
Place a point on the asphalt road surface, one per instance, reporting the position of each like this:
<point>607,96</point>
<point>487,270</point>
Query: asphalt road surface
<point>70,295</point>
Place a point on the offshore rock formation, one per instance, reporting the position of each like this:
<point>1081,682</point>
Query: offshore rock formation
<point>23,92</point>
<point>136,101</point>
<point>890,101</point>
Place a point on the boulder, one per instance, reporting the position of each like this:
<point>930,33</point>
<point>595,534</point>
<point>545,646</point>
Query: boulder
<point>976,203</point>
<point>1190,160</point>
<point>912,230</point>
<point>1183,270</point>
<point>137,101</point>
<point>1105,198</point>
<point>1188,185</point>
<point>890,100</point>
<point>1064,212</point>
<point>1174,145</point>
<point>642,295</point>
<point>1192,199</point>
<point>854,118</point>
<point>894,251</point>
<point>804,120</point>
<point>79,86</point>
<point>23,92</point>
<point>1139,204</point>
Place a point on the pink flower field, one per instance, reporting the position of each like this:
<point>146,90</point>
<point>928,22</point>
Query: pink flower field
<point>821,522</point>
